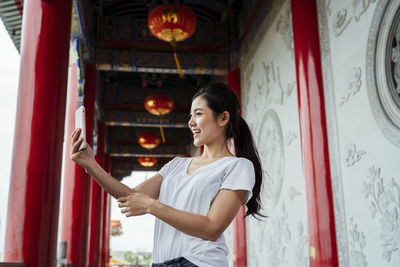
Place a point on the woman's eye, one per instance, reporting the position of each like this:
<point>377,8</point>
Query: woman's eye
<point>198,114</point>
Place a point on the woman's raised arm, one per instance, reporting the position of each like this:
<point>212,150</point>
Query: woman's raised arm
<point>85,158</point>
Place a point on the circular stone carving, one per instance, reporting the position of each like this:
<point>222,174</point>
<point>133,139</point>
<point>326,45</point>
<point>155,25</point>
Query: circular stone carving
<point>270,147</point>
<point>383,68</point>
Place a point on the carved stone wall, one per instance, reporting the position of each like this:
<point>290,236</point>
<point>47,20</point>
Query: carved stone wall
<point>360,59</point>
<point>269,101</point>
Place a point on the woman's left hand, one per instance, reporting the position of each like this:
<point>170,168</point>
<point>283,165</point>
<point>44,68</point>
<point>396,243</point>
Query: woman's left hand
<point>135,204</point>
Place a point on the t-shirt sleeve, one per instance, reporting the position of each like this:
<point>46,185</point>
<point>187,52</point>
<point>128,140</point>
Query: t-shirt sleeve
<point>240,176</point>
<point>167,167</point>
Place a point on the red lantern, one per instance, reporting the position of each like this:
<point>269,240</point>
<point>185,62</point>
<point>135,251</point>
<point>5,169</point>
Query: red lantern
<point>172,23</point>
<point>159,104</point>
<point>149,140</point>
<point>147,161</point>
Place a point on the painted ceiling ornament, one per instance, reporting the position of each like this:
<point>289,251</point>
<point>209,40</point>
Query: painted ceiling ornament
<point>172,23</point>
<point>147,161</point>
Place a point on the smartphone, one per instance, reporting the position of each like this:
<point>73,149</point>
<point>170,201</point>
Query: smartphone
<point>80,123</point>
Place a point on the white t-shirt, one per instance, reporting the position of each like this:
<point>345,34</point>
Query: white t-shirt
<point>194,193</point>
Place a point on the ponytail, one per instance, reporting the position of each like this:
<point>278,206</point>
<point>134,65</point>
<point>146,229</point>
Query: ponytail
<point>221,98</point>
<point>245,148</point>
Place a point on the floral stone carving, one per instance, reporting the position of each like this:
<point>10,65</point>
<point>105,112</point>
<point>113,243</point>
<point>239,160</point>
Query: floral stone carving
<point>385,205</point>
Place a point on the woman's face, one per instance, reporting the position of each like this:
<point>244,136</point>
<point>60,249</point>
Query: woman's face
<point>205,127</point>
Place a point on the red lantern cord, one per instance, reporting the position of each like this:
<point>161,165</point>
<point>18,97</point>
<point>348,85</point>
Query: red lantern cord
<point>172,23</point>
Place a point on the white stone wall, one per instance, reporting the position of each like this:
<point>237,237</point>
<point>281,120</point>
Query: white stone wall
<point>269,100</point>
<point>364,153</point>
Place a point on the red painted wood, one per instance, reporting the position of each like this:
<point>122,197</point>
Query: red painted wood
<point>314,139</point>
<point>239,226</point>
<point>33,206</point>
<point>77,183</point>
<point>96,208</point>
<point>105,253</point>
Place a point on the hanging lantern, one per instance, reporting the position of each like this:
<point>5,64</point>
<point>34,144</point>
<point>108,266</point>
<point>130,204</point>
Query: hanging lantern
<point>147,161</point>
<point>172,23</point>
<point>116,228</point>
<point>159,104</point>
<point>149,140</point>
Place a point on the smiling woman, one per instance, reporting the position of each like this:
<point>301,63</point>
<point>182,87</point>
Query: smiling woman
<point>9,66</point>
<point>194,199</point>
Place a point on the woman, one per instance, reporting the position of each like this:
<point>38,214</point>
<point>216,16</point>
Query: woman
<point>194,199</point>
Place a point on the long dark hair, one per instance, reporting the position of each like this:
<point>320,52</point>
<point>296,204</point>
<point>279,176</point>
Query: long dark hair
<point>221,98</point>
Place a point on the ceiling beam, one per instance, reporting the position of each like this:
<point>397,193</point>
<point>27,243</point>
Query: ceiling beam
<point>156,46</point>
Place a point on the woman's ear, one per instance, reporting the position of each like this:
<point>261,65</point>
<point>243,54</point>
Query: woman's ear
<point>223,118</point>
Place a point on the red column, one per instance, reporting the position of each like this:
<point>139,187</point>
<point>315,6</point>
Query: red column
<point>239,227</point>
<point>314,141</point>
<point>105,253</point>
<point>76,200</point>
<point>33,206</point>
<point>96,210</point>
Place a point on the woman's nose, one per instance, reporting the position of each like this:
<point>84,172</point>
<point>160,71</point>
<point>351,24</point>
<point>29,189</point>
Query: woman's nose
<point>191,121</point>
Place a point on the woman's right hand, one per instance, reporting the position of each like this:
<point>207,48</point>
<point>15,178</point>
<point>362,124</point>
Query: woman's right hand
<point>85,157</point>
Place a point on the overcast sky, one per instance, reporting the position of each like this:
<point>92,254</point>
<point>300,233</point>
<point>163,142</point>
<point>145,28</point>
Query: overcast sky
<point>137,231</point>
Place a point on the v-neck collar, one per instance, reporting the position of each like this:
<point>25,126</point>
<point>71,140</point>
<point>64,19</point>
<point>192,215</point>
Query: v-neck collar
<point>191,159</point>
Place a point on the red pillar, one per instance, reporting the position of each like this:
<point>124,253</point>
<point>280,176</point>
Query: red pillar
<point>314,141</point>
<point>239,227</point>
<point>105,253</point>
<point>96,209</point>
<point>76,201</point>
<point>33,206</point>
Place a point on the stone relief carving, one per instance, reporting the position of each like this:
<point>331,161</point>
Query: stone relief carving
<point>340,22</point>
<point>247,88</point>
<point>396,59</point>
<point>357,244</point>
<point>289,88</point>
<point>289,138</point>
<point>274,88</point>
<point>353,85</point>
<point>360,6</point>
<point>292,192</point>
<point>328,7</point>
<point>385,204</point>
<point>284,29</point>
<point>278,239</point>
<point>270,145</point>
<point>381,70</point>
<point>301,250</point>
<point>343,17</point>
<point>352,155</point>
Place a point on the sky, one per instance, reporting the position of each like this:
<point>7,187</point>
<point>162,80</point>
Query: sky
<point>137,231</point>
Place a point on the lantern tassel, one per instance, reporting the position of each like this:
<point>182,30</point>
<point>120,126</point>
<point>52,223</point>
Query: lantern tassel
<point>181,74</point>
<point>162,134</point>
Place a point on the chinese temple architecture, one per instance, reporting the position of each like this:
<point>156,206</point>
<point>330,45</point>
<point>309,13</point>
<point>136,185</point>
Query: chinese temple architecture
<point>319,85</point>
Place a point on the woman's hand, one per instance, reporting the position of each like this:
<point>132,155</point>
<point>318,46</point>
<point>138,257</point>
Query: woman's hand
<point>85,157</point>
<point>135,204</point>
